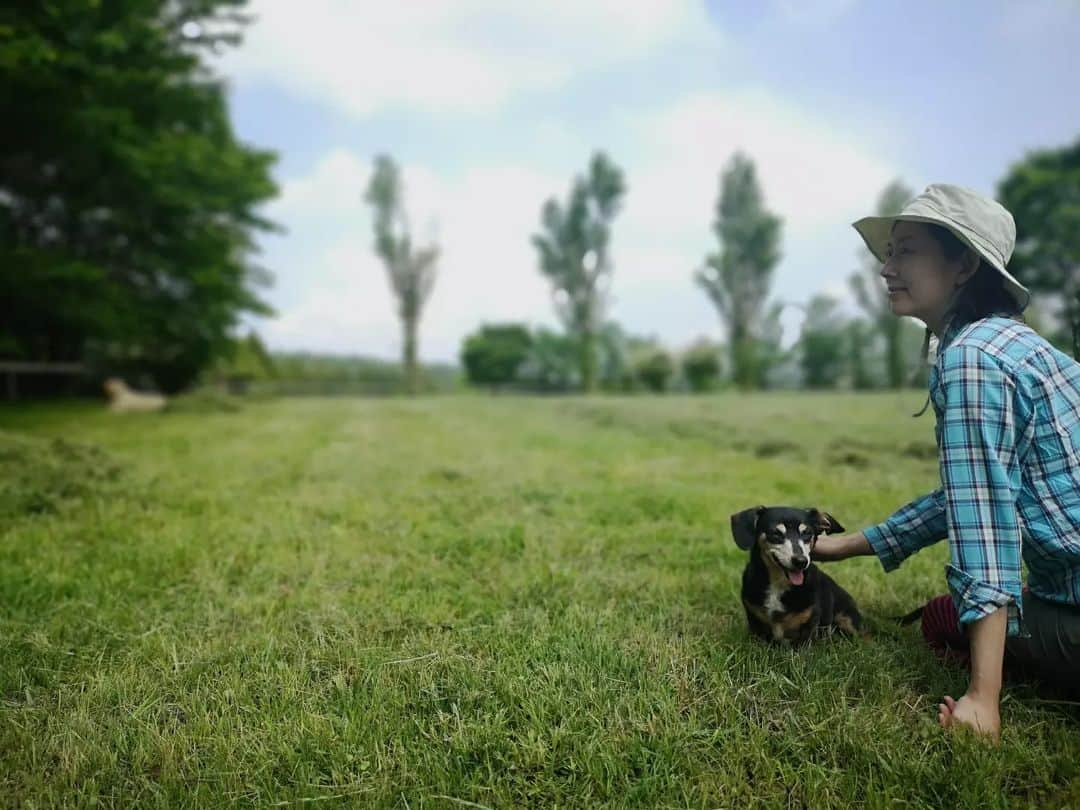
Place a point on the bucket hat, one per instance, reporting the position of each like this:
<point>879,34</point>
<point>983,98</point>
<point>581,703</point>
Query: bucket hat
<point>983,224</point>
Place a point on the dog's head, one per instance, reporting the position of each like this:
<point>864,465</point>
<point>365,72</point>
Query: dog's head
<point>784,534</point>
<point>114,386</point>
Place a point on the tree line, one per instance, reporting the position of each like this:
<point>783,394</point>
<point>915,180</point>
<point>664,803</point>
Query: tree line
<point>130,212</point>
<point>875,350</point>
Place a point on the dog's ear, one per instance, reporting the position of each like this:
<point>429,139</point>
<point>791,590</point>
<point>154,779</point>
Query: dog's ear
<point>823,522</point>
<point>744,526</point>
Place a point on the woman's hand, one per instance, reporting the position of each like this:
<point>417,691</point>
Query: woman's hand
<point>981,715</point>
<point>833,547</point>
<point>978,709</point>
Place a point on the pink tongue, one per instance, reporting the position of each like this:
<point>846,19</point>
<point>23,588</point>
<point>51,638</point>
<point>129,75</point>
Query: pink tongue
<point>796,577</point>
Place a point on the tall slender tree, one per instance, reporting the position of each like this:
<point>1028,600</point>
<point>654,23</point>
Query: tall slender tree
<point>739,277</point>
<point>872,296</point>
<point>411,269</point>
<point>574,247</point>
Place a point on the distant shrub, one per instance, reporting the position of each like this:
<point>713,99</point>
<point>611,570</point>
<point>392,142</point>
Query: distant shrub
<point>654,368</point>
<point>701,366</point>
<point>494,354</point>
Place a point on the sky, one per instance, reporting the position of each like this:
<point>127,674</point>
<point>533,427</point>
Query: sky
<point>493,106</point>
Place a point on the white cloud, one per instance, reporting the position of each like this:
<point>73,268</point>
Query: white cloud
<point>333,294</point>
<point>815,176</point>
<point>448,55</point>
<point>811,172</point>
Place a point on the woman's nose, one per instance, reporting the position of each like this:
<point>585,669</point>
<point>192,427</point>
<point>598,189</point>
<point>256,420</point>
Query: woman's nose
<point>887,269</point>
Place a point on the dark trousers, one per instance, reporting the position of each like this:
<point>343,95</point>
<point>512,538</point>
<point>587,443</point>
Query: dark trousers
<point>1051,653</point>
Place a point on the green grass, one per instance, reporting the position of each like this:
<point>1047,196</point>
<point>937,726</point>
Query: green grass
<point>453,602</point>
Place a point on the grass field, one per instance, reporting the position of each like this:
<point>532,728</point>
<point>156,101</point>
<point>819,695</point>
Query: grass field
<point>471,601</point>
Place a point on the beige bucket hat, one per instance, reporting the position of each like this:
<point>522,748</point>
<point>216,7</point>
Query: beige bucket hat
<point>979,222</point>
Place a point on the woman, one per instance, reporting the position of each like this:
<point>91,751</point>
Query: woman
<point>1008,433</point>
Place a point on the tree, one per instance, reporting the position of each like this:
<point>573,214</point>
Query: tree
<point>613,371</point>
<point>822,344</point>
<point>574,252</point>
<point>654,368</point>
<point>858,333</point>
<point>128,209</point>
<point>1043,194</point>
<point>552,364</point>
<point>739,277</point>
<point>411,269</point>
<point>701,366</point>
<point>494,354</point>
<point>871,294</point>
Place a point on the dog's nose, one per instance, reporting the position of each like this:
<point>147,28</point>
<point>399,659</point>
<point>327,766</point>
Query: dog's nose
<point>800,563</point>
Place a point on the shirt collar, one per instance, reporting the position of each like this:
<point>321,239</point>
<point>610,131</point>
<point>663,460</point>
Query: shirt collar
<point>952,329</point>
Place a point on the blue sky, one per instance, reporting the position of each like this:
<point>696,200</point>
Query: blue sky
<point>492,106</point>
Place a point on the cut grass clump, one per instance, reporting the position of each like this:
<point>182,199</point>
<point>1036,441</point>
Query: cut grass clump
<point>204,400</point>
<point>42,475</point>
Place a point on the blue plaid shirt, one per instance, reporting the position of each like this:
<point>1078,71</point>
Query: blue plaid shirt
<point>1008,435</point>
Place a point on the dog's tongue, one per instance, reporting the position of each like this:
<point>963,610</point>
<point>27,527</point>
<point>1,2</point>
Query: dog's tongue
<point>796,577</point>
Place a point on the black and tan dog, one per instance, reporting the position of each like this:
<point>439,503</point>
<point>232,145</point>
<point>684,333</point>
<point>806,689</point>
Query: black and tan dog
<point>787,599</point>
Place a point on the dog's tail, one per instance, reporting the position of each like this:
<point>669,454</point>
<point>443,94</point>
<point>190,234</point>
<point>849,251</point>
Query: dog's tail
<point>908,618</point>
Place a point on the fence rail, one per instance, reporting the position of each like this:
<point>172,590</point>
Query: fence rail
<point>11,369</point>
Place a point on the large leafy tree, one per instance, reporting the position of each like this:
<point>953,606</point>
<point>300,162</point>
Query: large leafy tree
<point>1043,193</point>
<point>411,269</point>
<point>128,208</point>
<point>738,278</point>
<point>574,247</point>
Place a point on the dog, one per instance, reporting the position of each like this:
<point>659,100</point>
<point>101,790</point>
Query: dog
<point>123,399</point>
<point>787,599</point>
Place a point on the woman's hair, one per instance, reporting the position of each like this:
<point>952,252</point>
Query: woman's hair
<point>984,294</point>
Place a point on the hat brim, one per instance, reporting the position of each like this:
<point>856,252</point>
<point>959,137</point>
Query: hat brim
<point>877,231</point>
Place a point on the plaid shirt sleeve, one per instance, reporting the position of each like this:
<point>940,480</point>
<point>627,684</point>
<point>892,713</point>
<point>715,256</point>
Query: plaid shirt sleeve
<point>919,524</point>
<point>981,476</point>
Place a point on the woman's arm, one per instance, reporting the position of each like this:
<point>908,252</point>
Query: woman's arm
<point>830,548</point>
<point>979,707</point>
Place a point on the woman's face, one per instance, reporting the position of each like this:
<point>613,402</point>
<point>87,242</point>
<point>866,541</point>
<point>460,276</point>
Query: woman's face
<point>920,280</point>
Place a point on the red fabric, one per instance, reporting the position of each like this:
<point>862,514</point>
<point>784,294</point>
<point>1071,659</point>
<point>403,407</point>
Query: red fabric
<point>941,629</point>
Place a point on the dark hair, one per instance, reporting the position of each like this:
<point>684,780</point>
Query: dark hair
<point>984,294</point>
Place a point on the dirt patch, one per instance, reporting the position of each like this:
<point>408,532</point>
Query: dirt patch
<point>924,451</point>
<point>771,448</point>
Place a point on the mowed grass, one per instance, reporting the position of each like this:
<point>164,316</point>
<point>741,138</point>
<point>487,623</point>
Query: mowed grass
<point>478,601</point>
